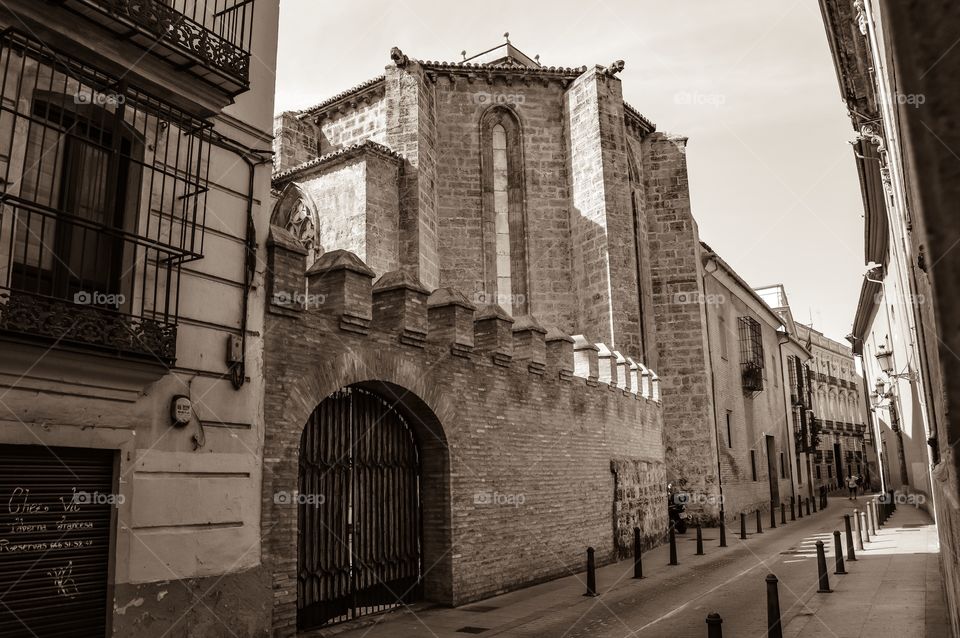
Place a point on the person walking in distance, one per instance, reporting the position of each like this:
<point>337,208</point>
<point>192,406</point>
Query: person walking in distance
<point>852,486</point>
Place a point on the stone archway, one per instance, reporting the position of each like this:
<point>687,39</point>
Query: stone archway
<point>422,410</point>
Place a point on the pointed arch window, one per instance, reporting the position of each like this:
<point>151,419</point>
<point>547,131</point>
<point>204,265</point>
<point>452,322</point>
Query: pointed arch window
<point>504,211</point>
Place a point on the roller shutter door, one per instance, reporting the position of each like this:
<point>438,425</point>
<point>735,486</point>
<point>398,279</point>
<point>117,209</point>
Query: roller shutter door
<point>54,547</point>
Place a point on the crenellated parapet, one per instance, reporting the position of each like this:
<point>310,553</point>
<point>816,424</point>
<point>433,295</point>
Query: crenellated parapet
<point>397,304</point>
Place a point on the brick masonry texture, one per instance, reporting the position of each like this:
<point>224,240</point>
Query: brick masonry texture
<point>485,423</point>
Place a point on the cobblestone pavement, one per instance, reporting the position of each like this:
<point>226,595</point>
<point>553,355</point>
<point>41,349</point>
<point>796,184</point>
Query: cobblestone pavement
<point>893,589</point>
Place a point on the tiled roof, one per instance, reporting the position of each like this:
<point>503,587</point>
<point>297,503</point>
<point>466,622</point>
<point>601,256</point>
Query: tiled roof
<point>343,153</point>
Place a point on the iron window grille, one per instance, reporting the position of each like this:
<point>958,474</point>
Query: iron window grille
<point>212,34</point>
<point>103,198</point>
<point>751,355</point>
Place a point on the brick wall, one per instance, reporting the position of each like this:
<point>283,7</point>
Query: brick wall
<point>496,413</point>
<point>361,121</point>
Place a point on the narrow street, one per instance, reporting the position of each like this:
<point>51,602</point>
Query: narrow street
<point>899,565</point>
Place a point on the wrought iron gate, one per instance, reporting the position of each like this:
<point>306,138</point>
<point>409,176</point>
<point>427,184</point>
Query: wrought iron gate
<point>359,510</point>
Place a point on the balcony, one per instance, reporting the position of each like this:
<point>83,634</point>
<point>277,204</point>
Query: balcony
<point>209,38</point>
<point>103,197</point>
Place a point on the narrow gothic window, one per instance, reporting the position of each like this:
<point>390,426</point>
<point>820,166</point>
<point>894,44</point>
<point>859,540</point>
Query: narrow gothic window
<point>504,216</point>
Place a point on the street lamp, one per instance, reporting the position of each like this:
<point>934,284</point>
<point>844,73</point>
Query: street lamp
<point>885,359</point>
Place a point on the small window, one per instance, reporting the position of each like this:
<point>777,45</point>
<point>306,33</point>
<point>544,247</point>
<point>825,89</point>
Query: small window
<point>729,430</point>
<point>753,464</point>
<point>818,472</point>
<point>799,473</point>
<point>751,355</point>
<point>829,471</point>
<point>783,467</point>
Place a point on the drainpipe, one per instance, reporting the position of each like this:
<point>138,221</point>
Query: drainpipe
<point>709,266</point>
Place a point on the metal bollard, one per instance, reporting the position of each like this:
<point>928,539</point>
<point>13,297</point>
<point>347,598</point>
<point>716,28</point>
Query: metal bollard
<point>851,555</point>
<point>863,526</point>
<point>839,552</point>
<point>773,515</point>
<point>699,541</point>
<point>823,580</point>
<point>800,508</point>
<point>806,500</point>
<point>673,547</point>
<point>783,514</point>
<point>591,574</point>
<point>857,529</point>
<point>637,555</point>
<point>723,529</point>
<point>813,502</point>
<point>714,628</point>
<point>759,526</point>
<point>743,526</point>
<point>793,508</point>
<point>872,517</point>
<point>774,630</point>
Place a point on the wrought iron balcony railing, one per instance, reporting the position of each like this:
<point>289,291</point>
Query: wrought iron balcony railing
<point>102,199</point>
<point>204,35</point>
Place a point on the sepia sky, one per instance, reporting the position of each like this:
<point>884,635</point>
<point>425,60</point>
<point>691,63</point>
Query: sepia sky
<point>752,84</point>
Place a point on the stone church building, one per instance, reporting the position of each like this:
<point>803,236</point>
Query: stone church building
<point>470,265</point>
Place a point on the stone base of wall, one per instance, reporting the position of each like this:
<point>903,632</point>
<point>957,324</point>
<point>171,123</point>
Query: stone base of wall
<point>214,607</point>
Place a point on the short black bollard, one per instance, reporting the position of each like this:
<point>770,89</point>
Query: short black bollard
<point>637,556</point>
<point>799,508</point>
<point>743,526</point>
<point>793,508</point>
<point>824,580</point>
<point>806,501</point>
<point>813,502</point>
<point>839,550</point>
<point>714,628</point>
<point>783,513</point>
<point>699,541</point>
<point>759,526</point>
<point>673,547</point>
<point>773,515</point>
<point>591,574</point>
<point>774,629</point>
<point>851,555</point>
<point>723,530</point>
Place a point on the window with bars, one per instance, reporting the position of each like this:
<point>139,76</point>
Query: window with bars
<point>751,355</point>
<point>103,198</point>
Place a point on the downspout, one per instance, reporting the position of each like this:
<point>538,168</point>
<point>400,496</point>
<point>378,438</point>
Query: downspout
<point>789,417</point>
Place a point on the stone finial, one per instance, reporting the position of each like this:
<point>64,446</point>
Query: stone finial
<point>654,386</point>
<point>340,283</point>
<point>585,359</point>
<point>633,376</point>
<point>450,320</point>
<point>645,381</point>
<point>559,353</point>
<point>606,366</point>
<point>400,306</point>
<point>622,370</point>
<point>398,57</point>
<point>529,344</point>
<point>614,68</point>
<point>493,333</point>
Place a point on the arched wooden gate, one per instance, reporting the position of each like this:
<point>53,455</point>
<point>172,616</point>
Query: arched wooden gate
<point>359,533</point>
